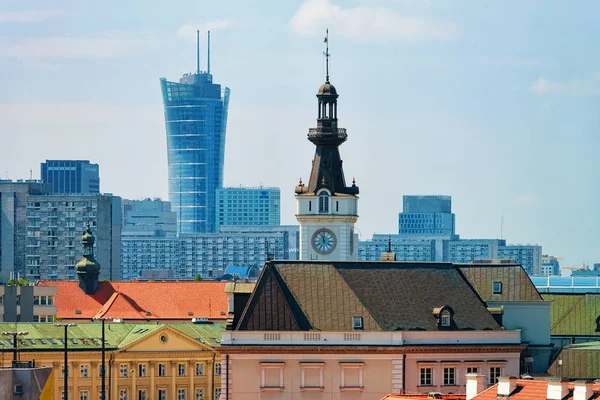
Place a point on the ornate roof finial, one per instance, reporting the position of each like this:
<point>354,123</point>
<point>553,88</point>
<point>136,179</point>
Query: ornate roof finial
<point>353,181</point>
<point>327,55</point>
<point>300,182</point>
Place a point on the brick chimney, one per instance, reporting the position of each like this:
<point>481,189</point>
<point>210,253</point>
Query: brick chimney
<point>583,390</point>
<point>506,385</point>
<point>557,388</point>
<point>475,385</point>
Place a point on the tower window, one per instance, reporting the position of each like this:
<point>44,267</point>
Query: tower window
<point>323,202</point>
<point>310,206</point>
<point>445,318</point>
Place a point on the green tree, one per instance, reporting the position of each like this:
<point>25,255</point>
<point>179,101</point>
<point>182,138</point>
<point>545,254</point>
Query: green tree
<point>198,278</point>
<point>18,282</point>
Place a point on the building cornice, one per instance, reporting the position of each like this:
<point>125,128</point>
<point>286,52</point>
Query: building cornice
<point>259,349</point>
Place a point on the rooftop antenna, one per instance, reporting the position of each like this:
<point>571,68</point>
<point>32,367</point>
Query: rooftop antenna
<point>327,55</point>
<point>198,51</point>
<point>208,67</point>
<point>502,226</point>
<point>30,173</point>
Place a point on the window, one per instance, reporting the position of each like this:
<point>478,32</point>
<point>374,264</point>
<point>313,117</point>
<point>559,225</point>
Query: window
<point>181,370</point>
<point>141,370</point>
<point>449,376</point>
<point>162,370</point>
<point>123,371</point>
<point>199,394</point>
<point>312,376</point>
<point>357,322</point>
<point>122,394</point>
<point>83,396</point>
<point>494,375</point>
<point>472,370</point>
<point>200,369</point>
<point>310,206</point>
<point>351,376</point>
<point>142,394</point>
<point>218,369</point>
<point>323,202</point>
<point>426,377</point>
<point>84,371</point>
<point>181,394</point>
<point>497,287</point>
<point>271,376</point>
<point>445,318</point>
<point>217,393</point>
<point>162,394</point>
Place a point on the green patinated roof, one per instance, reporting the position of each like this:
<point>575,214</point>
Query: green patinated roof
<point>87,336</point>
<point>516,284</point>
<point>574,314</point>
<point>577,361</point>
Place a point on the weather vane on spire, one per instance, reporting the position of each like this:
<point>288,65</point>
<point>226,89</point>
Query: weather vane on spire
<point>326,53</point>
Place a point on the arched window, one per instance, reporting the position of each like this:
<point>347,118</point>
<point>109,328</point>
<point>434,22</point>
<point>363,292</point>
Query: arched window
<point>445,318</point>
<point>323,202</point>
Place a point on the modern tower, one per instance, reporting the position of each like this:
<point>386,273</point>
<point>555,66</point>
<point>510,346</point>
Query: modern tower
<point>195,121</point>
<point>327,209</point>
<point>71,176</point>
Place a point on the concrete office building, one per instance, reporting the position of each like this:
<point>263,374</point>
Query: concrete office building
<point>550,266</point>
<point>248,206</point>
<point>27,303</point>
<point>54,227</point>
<point>466,250</point>
<point>148,218</point>
<point>13,222</point>
<point>208,254</point>
<point>528,255</point>
<point>195,122</point>
<point>71,176</point>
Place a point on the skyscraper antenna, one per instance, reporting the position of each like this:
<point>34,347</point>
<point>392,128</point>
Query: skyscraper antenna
<point>502,226</point>
<point>208,67</point>
<point>327,55</point>
<point>198,51</point>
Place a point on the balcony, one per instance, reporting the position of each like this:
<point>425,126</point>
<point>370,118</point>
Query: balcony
<point>338,134</point>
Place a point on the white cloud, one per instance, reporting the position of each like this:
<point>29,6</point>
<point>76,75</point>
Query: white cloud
<point>527,200</point>
<point>188,31</point>
<point>103,46</point>
<point>29,15</point>
<point>368,23</point>
<point>574,87</point>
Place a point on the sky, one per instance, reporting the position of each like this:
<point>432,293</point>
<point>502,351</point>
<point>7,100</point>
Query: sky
<point>493,103</point>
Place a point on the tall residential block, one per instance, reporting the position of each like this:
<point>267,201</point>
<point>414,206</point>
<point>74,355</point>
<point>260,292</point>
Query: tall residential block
<point>243,206</point>
<point>148,218</point>
<point>13,224</point>
<point>195,121</point>
<point>550,265</point>
<point>528,255</point>
<point>426,215</point>
<point>71,176</point>
<point>55,224</point>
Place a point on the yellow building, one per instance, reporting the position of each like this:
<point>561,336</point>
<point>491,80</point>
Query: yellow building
<point>177,361</point>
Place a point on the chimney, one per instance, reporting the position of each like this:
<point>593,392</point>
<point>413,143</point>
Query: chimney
<point>475,385</point>
<point>583,390</point>
<point>389,255</point>
<point>506,385</point>
<point>557,388</point>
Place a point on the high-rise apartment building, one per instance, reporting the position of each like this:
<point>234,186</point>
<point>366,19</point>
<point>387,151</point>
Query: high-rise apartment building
<point>71,176</point>
<point>13,224</point>
<point>208,254</point>
<point>148,218</point>
<point>196,122</point>
<point>55,224</point>
<point>248,206</point>
<point>550,265</point>
<point>466,250</point>
<point>528,255</point>
<point>426,215</point>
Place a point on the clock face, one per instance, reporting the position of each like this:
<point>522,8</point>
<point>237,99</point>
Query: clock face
<point>324,241</point>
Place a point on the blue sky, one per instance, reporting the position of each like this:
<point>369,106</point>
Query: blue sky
<point>494,103</point>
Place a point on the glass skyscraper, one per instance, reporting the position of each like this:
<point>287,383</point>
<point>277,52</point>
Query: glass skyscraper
<point>71,176</point>
<point>196,121</point>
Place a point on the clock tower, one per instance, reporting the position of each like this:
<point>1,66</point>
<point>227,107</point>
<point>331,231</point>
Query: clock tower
<point>327,209</point>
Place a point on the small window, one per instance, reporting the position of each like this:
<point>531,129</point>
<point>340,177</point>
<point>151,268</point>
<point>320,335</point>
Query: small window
<point>323,202</point>
<point>199,369</point>
<point>497,287</point>
<point>450,376</point>
<point>142,394</point>
<point>162,370</point>
<point>218,369</point>
<point>199,394</point>
<point>357,322</point>
<point>472,370</point>
<point>123,370</point>
<point>141,370</point>
<point>181,394</point>
<point>181,370</point>
<point>494,375</point>
<point>84,371</point>
<point>426,377</point>
<point>445,318</point>
<point>310,206</point>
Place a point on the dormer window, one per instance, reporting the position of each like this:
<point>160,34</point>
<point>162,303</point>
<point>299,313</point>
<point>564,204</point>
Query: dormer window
<point>445,319</point>
<point>497,287</point>
<point>357,322</point>
<point>323,202</point>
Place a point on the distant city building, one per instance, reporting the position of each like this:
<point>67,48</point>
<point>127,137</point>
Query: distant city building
<point>27,303</point>
<point>245,206</point>
<point>529,256</point>
<point>209,254</point>
<point>466,250</point>
<point>550,266</point>
<point>426,215</point>
<point>53,234</point>
<point>13,224</point>
<point>71,176</point>
<point>195,121</point>
<point>405,249</point>
<point>148,218</point>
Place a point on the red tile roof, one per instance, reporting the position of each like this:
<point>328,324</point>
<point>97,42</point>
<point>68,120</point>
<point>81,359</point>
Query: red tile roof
<point>141,300</point>
<point>529,389</point>
<point>423,396</point>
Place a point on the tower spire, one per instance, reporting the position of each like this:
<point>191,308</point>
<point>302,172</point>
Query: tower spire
<point>198,51</point>
<point>327,55</point>
<point>208,62</point>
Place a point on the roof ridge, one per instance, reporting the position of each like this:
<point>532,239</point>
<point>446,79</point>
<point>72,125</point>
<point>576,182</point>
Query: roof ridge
<point>106,306</point>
